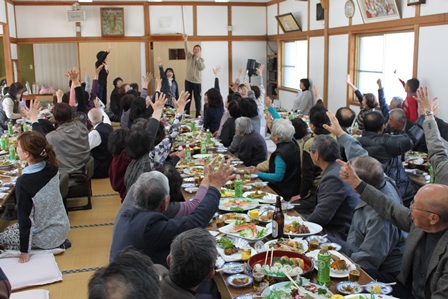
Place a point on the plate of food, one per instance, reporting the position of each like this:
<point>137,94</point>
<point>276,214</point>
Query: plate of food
<point>261,196</point>
<point>332,246</point>
<point>295,226</point>
<point>378,288</point>
<point>202,156</point>
<point>349,287</point>
<point>225,193</point>
<point>183,164</point>
<point>237,204</point>
<point>229,248</point>
<point>369,296</point>
<point>195,170</point>
<point>233,268</point>
<point>191,190</point>
<point>340,265</point>
<point>264,213</point>
<point>247,231</point>
<point>5,164</point>
<point>235,217</point>
<point>239,280</point>
<point>287,290</point>
<point>296,245</point>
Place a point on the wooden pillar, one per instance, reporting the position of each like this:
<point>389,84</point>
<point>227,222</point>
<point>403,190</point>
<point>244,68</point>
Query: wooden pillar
<point>8,58</point>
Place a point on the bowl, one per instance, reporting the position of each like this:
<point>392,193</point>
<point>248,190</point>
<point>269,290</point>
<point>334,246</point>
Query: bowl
<point>259,258</point>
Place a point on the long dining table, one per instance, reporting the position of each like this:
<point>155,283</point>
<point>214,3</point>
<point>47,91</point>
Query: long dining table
<point>234,292</point>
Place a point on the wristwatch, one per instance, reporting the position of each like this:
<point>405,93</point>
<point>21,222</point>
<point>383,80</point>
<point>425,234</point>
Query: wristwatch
<point>429,112</point>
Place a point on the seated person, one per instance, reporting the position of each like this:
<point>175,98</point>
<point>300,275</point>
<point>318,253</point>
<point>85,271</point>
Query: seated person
<point>131,275</point>
<point>191,262</point>
<point>399,124</point>
<point>98,140</point>
<point>215,106</point>
<point>336,200</point>
<point>345,117</point>
<point>11,103</point>
<point>252,149</point>
<point>70,139</point>
<point>145,228</point>
<point>284,164</point>
<point>43,222</point>
<point>424,270</point>
<point>120,161</point>
<point>228,128</point>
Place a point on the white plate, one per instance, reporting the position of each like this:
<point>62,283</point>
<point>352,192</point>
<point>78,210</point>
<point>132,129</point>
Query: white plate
<point>188,185</point>
<point>369,296</point>
<point>333,273</point>
<point>202,156</point>
<point>341,286</point>
<point>232,220</point>
<point>283,286</point>
<point>300,240</point>
<point>314,228</point>
<point>189,170</point>
<point>384,289</point>
<point>228,229</point>
<point>227,204</point>
<point>263,211</point>
<point>233,257</point>
<point>268,198</point>
<point>191,189</point>
<point>233,270</point>
<point>232,278</point>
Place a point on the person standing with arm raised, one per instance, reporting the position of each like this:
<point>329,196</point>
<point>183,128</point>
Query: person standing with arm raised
<point>101,57</point>
<point>193,78</point>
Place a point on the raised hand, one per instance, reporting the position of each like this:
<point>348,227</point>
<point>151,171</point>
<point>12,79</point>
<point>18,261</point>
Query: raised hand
<point>316,92</point>
<point>348,174</point>
<point>218,178</point>
<point>380,84</point>
<point>33,112</point>
<point>182,101</point>
<point>269,120</point>
<point>158,83</point>
<point>73,75</point>
<point>348,79</point>
<point>59,95</point>
<point>267,102</point>
<point>159,60</point>
<point>159,103</point>
<point>185,37</point>
<point>96,102</point>
<point>247,85</point>
<point>98,70</point>
<point>260,69</point>
<point>147,79</point>
<point>424,100</point>
<point>234,87</point>
<point>335,127</point>
<point>217,70</point>
<point>109,47</point>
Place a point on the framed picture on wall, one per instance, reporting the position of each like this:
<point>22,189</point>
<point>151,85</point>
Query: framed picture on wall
<point>112,21</point>
<point>378,11</point>
<point>415,2</point>
<point>288,23</point>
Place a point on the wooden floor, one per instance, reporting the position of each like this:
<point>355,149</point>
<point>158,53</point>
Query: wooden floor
<point>91,237</point>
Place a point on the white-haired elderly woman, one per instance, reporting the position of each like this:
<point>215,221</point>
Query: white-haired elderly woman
<point>252,149</point>
<point>284,164</point>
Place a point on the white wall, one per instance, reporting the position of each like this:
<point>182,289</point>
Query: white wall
<point>299,10</point>
<point>433,7</point>
<point>272,22</point>
<point>315,25</point>
<point>11,20</point>
<point>248,20</point>
<point>286,99</point>
<point>337,14</point>
<point>168,19</point>
<point>2,12</point>
<point>316,62</point>
<point>337,70</point>
<point>209,50</point>
<point>432,64</point>
<point>52,22</point>
<point>14,53</point>
<point>212,20</point>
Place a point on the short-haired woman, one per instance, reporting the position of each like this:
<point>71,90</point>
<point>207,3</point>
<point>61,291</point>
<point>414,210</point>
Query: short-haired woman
<point>252,149</point>
<point>284,174</point>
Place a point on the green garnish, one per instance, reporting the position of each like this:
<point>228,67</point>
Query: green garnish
<point>238,222</point>
<point>237,209</point>
<point>321,291</point>
<point>225,242</point>
<point>261,233</point>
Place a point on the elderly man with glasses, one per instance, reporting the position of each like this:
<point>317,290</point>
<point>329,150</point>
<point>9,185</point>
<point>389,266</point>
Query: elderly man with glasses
<point>424,273</point>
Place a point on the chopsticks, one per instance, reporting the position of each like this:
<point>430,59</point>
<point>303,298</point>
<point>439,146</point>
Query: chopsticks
<point>290,278</point>
<point>230,267</point>
<point>380,284</point>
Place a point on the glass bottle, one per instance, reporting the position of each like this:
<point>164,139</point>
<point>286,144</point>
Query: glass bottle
<point>278,220</point>
<point>323,266</point>
<point>431,173</point>
<point>188,152</point>
<point>208,136</point>
<point>10,128</point>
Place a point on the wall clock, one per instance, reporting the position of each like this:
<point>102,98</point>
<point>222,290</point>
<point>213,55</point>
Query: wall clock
<point>349,8</point>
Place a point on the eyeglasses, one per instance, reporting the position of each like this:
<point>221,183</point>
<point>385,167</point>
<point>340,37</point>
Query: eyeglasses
<point>421,210</point>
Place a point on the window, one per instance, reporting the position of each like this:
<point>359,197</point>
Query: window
<point>380,56</point>
<point>295,63</point>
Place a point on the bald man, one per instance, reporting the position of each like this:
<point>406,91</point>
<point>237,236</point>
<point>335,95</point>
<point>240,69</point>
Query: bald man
<point>98,139</point>
<point>424,273</point>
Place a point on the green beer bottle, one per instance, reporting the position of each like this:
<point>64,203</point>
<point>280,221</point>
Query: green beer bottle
<point>323,266</point>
